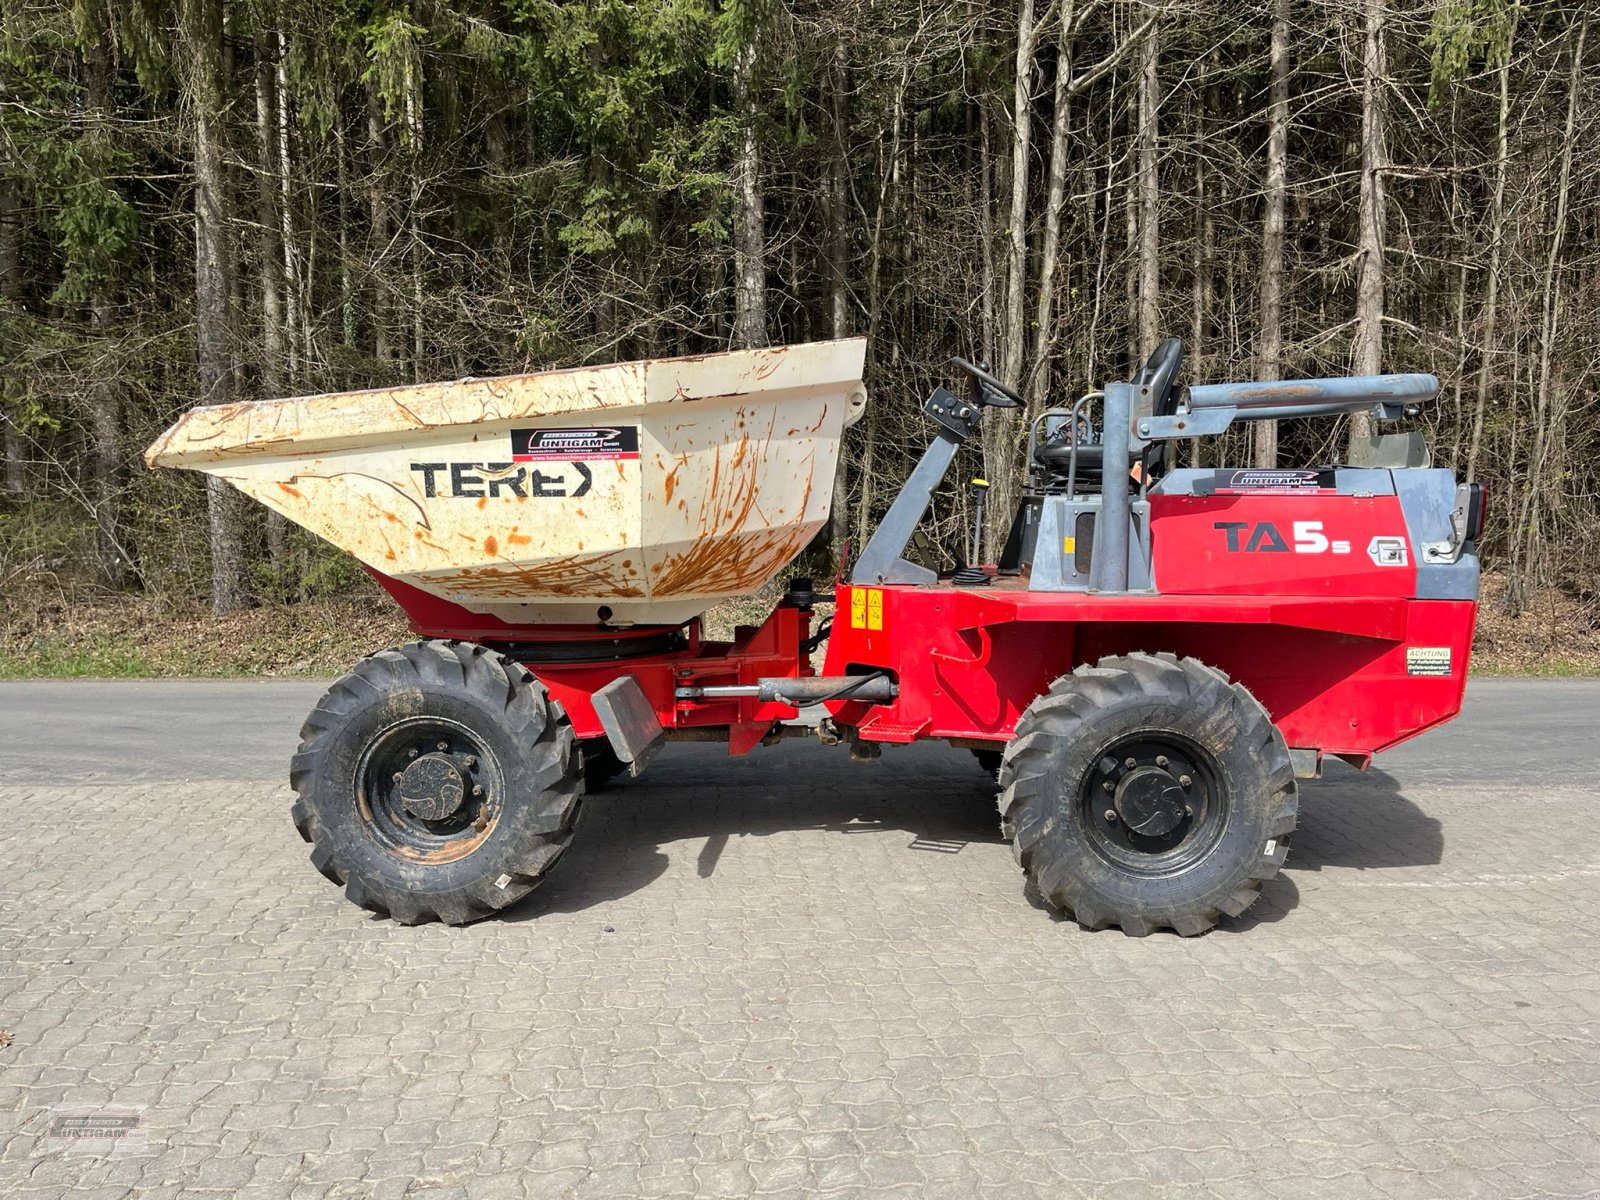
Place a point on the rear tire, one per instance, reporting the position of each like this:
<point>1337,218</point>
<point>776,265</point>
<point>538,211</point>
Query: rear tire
<point>437,781</point>
<point>1146,793</point>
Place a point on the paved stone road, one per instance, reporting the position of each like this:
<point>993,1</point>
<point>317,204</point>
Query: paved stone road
<point>789,974</point>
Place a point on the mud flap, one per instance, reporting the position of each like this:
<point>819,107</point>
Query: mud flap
<point>630,722</point>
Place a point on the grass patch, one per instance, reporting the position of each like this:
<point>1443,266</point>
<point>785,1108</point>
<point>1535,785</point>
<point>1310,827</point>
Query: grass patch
<point>45,636</point>
<point>60,658</point>
<point>140,637</point>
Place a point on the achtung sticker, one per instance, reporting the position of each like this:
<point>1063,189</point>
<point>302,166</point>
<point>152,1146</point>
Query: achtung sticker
<point>1427,660</point>
<point>866,609</point>
<point>598,442</point>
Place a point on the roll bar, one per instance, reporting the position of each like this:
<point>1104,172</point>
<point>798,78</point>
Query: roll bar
<point>1211,407</point>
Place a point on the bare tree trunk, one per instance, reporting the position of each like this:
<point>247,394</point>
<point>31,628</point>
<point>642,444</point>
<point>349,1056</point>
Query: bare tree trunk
<point>268,223</point>
<point>14,483</point>
<point>1055,201</point>
<point>750,219</point>
<point>104,396</point>
<point>838,249</point>
<point>1149,196</point>
<point>1497,226</point>
<point>987,333</point>
<point>347,293</point>
<point>413,115</point>
<point>1526,535</point>
<point>1270,347</point>
<point>382,346</point>
<point>296,316</point>
<point>1012,330</point>
<point>1130,214</point>
<point>274,259</point>
<point>1200,290</point>
<point>201,27</point>
<point>1370,240</point>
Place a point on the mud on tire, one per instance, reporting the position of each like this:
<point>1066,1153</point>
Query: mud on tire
<point>1148,792</point>
<point>436,781</point>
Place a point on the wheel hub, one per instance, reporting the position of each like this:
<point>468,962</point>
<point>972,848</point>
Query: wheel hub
<point>432,787</point>
<point>1150,801</point>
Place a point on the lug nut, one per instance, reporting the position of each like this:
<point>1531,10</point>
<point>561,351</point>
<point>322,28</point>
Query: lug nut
<point>469,762</point>
<point>1184,781</point>
<point>477,789</point>
<point>411,753</point>
<point>1188,811</point>
<point>1161,760</point>
<point>398,777</point>
<point>1109,786</point>
<point>1130,763</point>
<point>444,745</point>
<point>1111,815</point>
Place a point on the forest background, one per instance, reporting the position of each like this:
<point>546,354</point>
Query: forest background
<point>218,200</point>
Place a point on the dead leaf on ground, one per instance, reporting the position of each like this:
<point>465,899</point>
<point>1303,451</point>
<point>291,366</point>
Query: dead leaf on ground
<point>5,1038</point>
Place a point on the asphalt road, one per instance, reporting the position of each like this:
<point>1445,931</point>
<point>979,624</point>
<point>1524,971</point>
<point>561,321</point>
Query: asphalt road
<point>1513,731</point>
<point>787,974</point>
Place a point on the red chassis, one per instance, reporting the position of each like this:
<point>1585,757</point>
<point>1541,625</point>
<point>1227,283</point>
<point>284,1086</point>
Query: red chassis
<point>1332,672</point>
<point>774,648</point>
<point>1329,641</point>
<point>1324,644</point>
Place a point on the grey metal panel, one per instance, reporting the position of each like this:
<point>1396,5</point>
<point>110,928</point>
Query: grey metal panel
<point>1364,481</point>
<point>1053,569</point>
<point>1427,497</point>
<point>1199,481</point>
<point>882,560</point>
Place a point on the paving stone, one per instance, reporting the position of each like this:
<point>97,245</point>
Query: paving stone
<point>797,998</point>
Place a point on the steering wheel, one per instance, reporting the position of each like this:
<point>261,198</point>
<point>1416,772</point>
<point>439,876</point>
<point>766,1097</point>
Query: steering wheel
<point>986,389</point>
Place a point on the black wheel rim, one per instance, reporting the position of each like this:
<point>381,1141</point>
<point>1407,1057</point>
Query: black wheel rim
<point>429,790</point>
<point>1153,803</point>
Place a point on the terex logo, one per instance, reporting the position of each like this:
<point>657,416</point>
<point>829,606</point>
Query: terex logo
<point>489,480</point>
<point>537,445</point>
<point>1263,537</point>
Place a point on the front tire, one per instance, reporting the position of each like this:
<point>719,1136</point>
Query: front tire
<point>437,781</point>
<point>1148,792</point>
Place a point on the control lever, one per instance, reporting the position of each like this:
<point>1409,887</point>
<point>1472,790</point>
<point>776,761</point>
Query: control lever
<point>972,574</point>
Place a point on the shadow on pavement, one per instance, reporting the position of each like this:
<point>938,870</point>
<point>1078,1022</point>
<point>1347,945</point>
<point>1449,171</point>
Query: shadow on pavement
<point>1361,819</point>
<point>1348,818</point>
<point>939,799</point>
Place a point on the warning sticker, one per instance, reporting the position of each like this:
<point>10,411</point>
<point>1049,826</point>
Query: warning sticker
<point>1427,660</point>
<point>866,609</point>
<point>599,442</point>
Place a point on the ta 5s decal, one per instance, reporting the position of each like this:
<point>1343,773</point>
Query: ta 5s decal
<point>1264,537</point>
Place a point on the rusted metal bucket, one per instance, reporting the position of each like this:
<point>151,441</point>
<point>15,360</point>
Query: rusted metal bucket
<point>650,488</point>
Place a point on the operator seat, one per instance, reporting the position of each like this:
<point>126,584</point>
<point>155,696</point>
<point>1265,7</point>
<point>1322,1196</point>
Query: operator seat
<point>1155,383</point>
